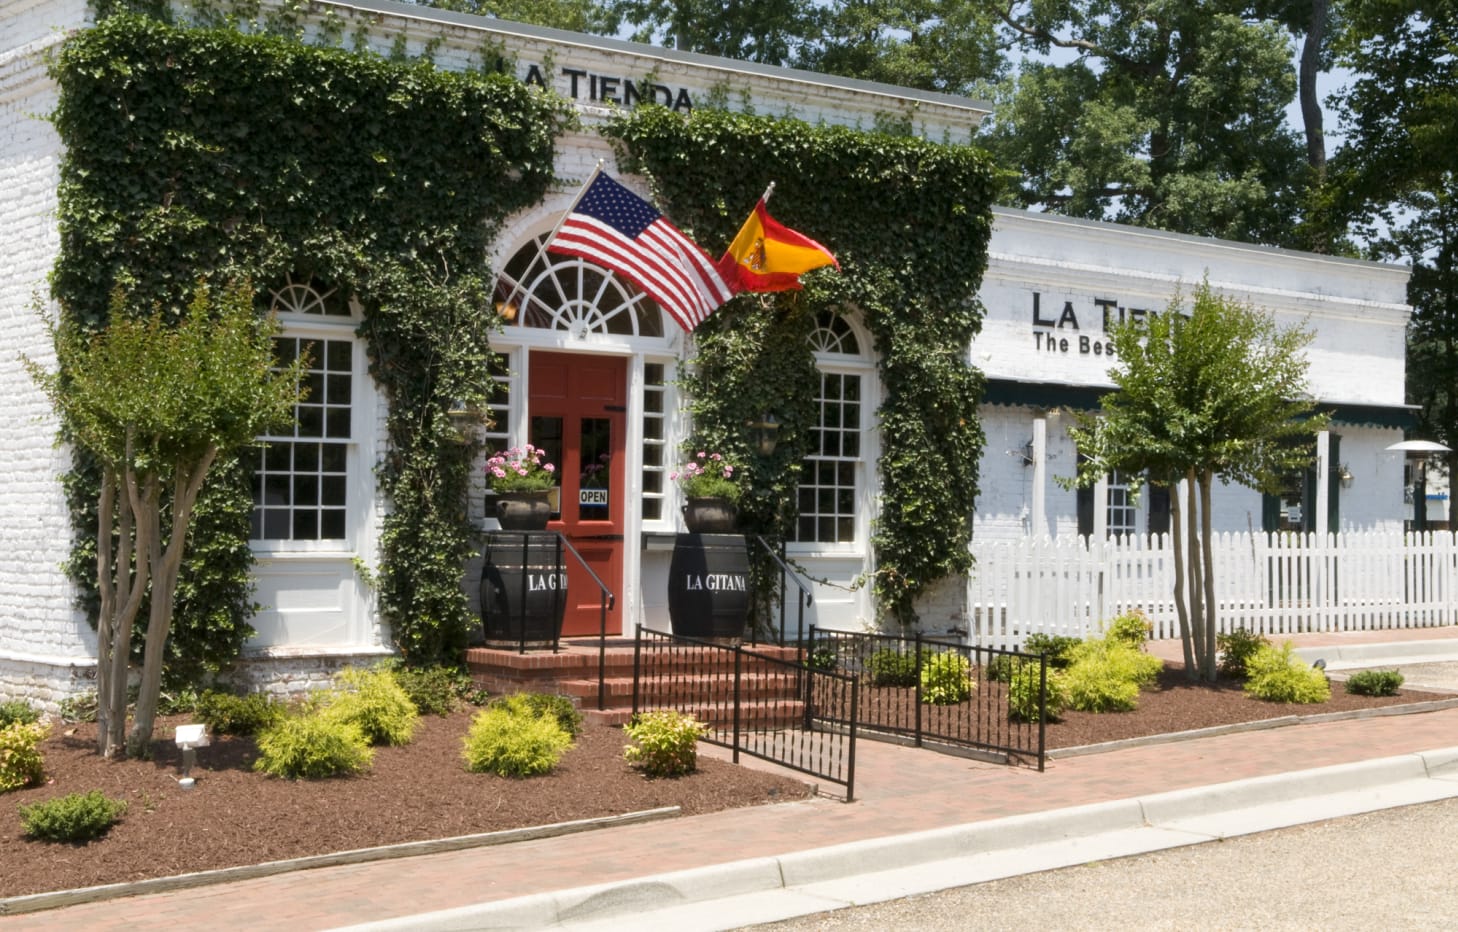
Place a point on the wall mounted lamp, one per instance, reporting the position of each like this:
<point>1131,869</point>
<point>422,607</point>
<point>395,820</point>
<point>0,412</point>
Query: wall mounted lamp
<point>1344,476</point>
<point>764,433</point>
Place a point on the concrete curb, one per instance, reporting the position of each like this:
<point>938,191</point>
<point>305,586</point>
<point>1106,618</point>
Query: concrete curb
<point>730,895</point>
<point>1404,653</point>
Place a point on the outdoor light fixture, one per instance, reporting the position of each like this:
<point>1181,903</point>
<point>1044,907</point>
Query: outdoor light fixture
<point>765,433</point>
<point>506,310</point>
<point>189,738</point>
<point>1344,476</point>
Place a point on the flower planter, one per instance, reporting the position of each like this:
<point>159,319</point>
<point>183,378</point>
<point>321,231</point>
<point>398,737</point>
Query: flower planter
<point>523,590</point>
<point>524,511</point>
<point>708,586</point>
<point>710,516</point>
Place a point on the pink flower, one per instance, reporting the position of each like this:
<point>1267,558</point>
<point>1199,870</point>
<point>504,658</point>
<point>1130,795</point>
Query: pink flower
<point>549,468</point>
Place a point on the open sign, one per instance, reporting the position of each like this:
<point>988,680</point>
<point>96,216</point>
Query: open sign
<point>592,496</point>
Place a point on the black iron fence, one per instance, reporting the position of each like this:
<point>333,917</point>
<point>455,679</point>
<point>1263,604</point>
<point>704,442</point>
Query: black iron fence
<point>760,702</point>
<point>939,691</point>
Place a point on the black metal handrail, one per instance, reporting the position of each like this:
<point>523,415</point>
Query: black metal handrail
<point>606,600</point>
<point>807,597</point>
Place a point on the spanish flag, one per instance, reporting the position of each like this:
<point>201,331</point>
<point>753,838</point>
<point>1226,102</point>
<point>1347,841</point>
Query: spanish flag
<point>766,256</point>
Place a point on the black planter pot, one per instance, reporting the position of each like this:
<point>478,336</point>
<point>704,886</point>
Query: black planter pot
<point>523,590</point>
<point>708,586</point>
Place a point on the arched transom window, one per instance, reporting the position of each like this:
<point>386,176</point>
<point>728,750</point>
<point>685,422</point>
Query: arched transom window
<point>552,292</point>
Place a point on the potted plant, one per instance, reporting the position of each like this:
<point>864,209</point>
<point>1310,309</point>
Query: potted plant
<point>523,484</point>
<point>712,492</point>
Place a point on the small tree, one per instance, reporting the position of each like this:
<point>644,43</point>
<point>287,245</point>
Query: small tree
<point>156,403</point>
<point>1215,391</point>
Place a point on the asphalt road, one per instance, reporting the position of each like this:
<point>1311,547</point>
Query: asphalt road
<point>1395,869</point>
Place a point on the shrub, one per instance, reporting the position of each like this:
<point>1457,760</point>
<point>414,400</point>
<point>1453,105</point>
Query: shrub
<point>17,711</point>
<point>434,690</point>
<point>1275,675</point>
<point>543,705</point>
<point>1022,692</point>
<point>1094,685</point>
<point>1002,667</point>
<point>1119,659</point>
<point>1132,628</point>
<point>227,714</point>
<point>508,743</point>
<point>890,667</point>
<point>372,700</point>
<point>666,743</point>
<point>1236,649</point>
<point>313,746</point>
<point>77,817</point>
<point>946,678</point>
<point>1056,647</point>
<point>79,708</point>
<point>20,756</point>
<point>1374,682</point>
<point>824,658</point>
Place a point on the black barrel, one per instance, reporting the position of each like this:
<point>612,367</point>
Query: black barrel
<point>523,589</point>
<point>708,586</point>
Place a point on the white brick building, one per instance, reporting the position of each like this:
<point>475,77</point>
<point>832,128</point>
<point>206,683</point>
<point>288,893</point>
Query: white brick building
<point>318,611</point>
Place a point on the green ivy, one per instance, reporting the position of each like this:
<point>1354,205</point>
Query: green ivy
<point>909,221</point>
<point>208,152</point>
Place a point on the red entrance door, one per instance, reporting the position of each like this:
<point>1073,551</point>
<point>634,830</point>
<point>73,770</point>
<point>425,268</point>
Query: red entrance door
<point>577,410</point>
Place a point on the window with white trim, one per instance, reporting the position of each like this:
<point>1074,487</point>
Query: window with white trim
<point>301,474</point>
<point>832,474</point>
<point>655,440</point>
<point>1123,508</point>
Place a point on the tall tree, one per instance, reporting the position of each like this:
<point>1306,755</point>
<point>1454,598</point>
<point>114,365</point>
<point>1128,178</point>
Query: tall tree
<point>768,33</point>
<point>1167,115</point>
<point>1396,179</point>
<point>576,15</point>
<point>1212,391</point>
<point>157,404</point>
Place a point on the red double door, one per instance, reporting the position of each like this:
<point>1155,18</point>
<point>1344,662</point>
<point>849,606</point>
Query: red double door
<point>578,413</point>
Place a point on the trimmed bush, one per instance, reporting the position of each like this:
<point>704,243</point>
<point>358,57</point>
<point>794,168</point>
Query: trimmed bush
<point>1275,675</point>
<point>946,678</point>
<point>17,711</point>
<point>79,708</point>
<point>227,714</point>
<point>1056,647</point>
<point>77,817</point>
<point>1022,693</point>
<point>1119,659</point>
<point>434,690</point>
<point>544,705</point>
<point>1131,628</point>
<point>373,701</point>
<point>511,743</point>
<point>824,658</point>
<point>312,747</point>
<point>1096,685</point>
<point>890,667</point>
<point>1374,683</point>
<point>20,757</point>
<point>665,743</point>
<point>1236,649</point>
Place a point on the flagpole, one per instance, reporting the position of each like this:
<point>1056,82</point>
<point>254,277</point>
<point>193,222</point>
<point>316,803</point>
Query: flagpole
<point>573,206</point>
<point>767,192</point>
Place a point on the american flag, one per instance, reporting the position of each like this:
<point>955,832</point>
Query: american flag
<point>613,227</point>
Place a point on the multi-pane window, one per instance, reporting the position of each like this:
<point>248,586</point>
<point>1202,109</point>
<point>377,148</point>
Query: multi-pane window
<point>654,440</point>
<point>1123,510</point>
<point>301,477</point>
<point>827,498</point>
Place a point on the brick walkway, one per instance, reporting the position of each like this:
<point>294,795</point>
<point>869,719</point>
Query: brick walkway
<point>899,790</point>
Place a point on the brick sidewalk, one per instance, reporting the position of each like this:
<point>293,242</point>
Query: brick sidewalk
<point>899,790</point>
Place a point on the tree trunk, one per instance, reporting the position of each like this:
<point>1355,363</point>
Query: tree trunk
<point>125,571</point>
<point>1193,592</point>
<point>1311,116</point>
<point>1208,554</point>
<point>1176,537</point>
<point>166,565</point>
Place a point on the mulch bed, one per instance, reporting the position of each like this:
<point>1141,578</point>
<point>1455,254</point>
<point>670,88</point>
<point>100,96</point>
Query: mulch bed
<point>236,816</point>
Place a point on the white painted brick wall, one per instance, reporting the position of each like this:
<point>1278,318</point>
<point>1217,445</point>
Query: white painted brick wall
<point>45,644</point>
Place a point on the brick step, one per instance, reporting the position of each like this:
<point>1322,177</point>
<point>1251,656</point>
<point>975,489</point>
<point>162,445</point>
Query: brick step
<point>621,688</point>
<point>720,714</point>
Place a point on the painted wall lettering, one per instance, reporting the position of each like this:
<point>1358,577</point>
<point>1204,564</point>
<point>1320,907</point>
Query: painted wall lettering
<point>716,582</point>
<point>580,84</point>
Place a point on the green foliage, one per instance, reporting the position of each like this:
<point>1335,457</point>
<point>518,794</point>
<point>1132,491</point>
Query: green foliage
<point>312,747</point>
<point>1117,656</point>
<point>1131,628</point>
<point>72,818</point>
<point>228,714</point>
<point>1236,648</point>
<point>1023,688</point>
<point>909,221</point>
<point>543,705</point>
<point>1374,682</point>
<point>1106,675</point>
<point>1276,675</point>
<point>513,742</point>
<point>79,708</point>
<point>437,690</point>
<point>664,743</point>
<point>708,475</point>
<point>21,763</point>
<point>374,702</point>
<point>196,153</point>
<point>1056,647</point>
<point>824,658</point>
<point>890,667</point>
<point>520,469</point>
<point>946,678</point>
<point>18,710</point>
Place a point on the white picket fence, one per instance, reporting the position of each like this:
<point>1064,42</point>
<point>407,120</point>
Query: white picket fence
<point>1273,584</point>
